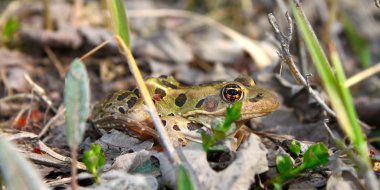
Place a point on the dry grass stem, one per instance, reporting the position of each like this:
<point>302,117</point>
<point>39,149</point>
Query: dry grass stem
<point>164,138</point>
<point>94,50</point>
<point>363,75</point>
<point>22,96</point>
<point>54,59</point>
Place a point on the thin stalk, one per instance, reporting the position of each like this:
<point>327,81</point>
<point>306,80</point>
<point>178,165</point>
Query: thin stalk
<point>74,170</point>
<point>48,22</point>
<point>164,138</point>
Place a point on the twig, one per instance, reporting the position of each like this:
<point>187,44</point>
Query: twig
<point>18,97</point>
<point>46,160</point>
<point>60,112</point>
<point>363,75</point>
<point>54,59</point>
<point>20,135</point>
<point>57,156</point>
<point>287,58</point>
<point>59,182</point>
<point>259,56</point>
<point>44,148</point>
<point>40,91</point>
<point>164,138</point>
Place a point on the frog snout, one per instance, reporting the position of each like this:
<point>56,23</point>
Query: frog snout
<point>272,102</point>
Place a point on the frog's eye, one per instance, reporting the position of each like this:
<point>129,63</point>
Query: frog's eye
<point>232,93</point>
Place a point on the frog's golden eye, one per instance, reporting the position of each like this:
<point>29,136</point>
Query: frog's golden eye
<point>232,93</point>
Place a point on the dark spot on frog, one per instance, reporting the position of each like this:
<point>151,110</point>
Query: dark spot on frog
<point>180,140</point>
<point>192,126</point>
<point>199,104</point>
<point>175,127</point>
<point>121,97</point>
<point>210,104</point>
<point>256,98</point>
<point>171,114</point>
<point>243,81</point>
<point>161,92</point>
<point>168,84</point>
<point>108,105</point>
<point>131,102</point>
<point>163,122</point>
<point>121,110</point>
<point>137,92</point>
<point>180,100</point>
<point>163,76</point>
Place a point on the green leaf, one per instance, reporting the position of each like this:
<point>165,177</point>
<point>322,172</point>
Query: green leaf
<point>295,147</point>
<point>119,19</point>
<point>284,164</point>
<point>77,102</point>
<point>316,155</point>
<point>10,27</point>
<point>184,181</point>
<point>232,114</point>
<point>222,127</point>
<point>17,172</point>
<point>94,159</point>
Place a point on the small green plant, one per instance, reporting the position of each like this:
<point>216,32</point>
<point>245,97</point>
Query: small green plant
<point>222,127</point>
<point>94,160</point>
<point>316,155</point>
<point>10,27</point>
<point>295,147</point>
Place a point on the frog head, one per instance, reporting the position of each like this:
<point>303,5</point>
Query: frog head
<point>214,99</point>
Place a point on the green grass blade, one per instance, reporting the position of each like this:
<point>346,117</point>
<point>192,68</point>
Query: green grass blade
<point>119,19</point>
<point>328,78</point>
<point>346,97</point>
<point>184,181</point>
<point>77,102</point>
<point>17,172</point>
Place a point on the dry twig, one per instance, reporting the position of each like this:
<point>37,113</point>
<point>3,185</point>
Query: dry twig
<point>60,112</point>
<point>288,60</point>
<point>40,91</point>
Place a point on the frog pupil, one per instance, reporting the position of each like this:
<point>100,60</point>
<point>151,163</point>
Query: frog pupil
<point>232,92</point>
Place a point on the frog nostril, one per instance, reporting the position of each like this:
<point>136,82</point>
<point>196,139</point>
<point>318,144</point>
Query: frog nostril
<point>257,98</point>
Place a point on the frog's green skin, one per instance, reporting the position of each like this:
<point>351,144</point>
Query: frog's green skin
<point>183,109</point>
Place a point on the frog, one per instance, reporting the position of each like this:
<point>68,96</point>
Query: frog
<point>186,111</point>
